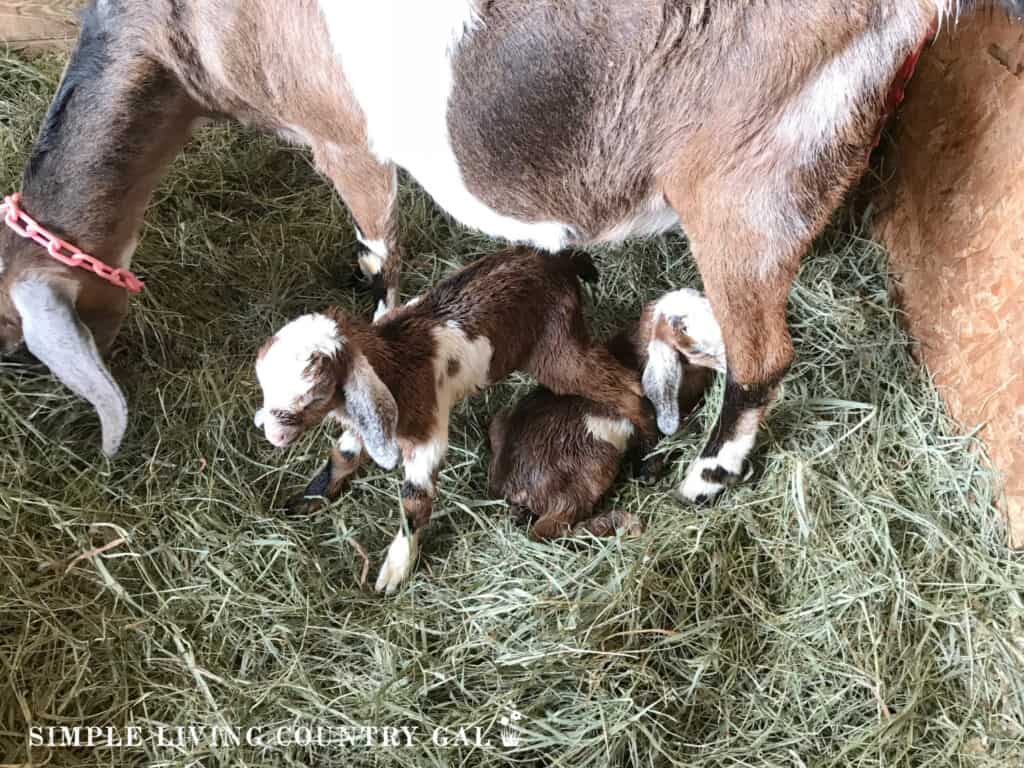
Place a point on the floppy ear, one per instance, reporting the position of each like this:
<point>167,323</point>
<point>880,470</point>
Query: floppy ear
<point>372,409</point>
<point>54,334</point>
<point>662,377</point>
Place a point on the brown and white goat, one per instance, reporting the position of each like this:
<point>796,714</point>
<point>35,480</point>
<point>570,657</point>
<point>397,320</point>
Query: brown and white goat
<point>392,384</point>
<point>555,456</point>
<point>554,122</point>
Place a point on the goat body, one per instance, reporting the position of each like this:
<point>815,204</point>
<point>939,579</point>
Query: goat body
<point>393,384</point>
<point>556,455</point>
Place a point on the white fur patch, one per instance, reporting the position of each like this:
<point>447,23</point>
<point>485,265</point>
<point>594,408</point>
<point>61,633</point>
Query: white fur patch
<point>378,247</point>
<point>281,370</point>
<point>422,463</point>
<point>615,432</point>
<point>399,562</point>
<point>693,311</point>
<point>695,487</point>
<point>652,218</point>
<point>371,263</point>
<point>350,443</point>
<point>397,58</point>
<point>474,362</point>
<point>829,100</point>
<point>730,457</point>
<point>372,260</point>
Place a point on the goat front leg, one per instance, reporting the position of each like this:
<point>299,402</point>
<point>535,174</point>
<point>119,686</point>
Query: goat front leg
<point>369,189</point>
<point>746,275</point>
<point>347,455</point>
<point>422,463</point>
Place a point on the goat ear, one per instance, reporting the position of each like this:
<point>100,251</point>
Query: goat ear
<point>662,376</point>
<point>371,407</point>
<point>54,333</point>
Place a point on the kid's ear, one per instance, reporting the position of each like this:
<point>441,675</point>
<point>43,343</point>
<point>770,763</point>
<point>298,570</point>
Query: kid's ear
<point>373,411</point>
<point>661,379</point>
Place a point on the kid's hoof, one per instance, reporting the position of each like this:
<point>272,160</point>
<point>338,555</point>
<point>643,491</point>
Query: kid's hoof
<point>398,564</point>
<point>650,470</point>
<point>316,495</point>
<point>520,515</point>
<point>301,504</point>
<point>611,523</point>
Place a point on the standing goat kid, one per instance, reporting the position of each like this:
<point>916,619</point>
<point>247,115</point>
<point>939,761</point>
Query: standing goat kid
<point>392,384</point>
<point>553,122</point>
<point>555,456</point>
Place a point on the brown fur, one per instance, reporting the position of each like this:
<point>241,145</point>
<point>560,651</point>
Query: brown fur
<point>528,304</point>
<point>544,459</point>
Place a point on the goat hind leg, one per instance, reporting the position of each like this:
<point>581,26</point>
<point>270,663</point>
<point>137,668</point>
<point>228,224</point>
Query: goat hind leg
<point>369,189</point>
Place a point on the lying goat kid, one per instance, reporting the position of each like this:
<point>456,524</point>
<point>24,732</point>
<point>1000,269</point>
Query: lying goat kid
<point>393,384</point>
<point>555,456</point>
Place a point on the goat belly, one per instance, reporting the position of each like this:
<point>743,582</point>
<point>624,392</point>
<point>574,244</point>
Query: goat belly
<point>398,59</point>
<point>536,129</point>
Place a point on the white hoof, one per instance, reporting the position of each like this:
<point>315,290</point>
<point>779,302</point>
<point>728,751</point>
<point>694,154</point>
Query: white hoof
<point>398,564</point>
<point>695,488</point>
<point>371,264</point>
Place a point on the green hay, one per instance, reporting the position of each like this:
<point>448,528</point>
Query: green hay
<point>856,606</point>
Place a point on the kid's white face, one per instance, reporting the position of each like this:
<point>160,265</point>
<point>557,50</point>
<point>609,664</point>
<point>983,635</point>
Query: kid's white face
<point>284,372</point>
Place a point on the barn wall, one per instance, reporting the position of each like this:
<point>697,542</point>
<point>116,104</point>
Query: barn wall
<point>952,217</point>
<point>38,24</point>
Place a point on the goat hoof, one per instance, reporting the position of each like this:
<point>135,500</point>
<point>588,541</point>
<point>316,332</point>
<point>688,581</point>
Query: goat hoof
<point>520,515</point>
<point>609,524</point>
<point>372,274</point>
<point>398,563</point>
<point>302,504</point>
<point>651,470</point>
<point>320,489</point>
<point>706,479</point>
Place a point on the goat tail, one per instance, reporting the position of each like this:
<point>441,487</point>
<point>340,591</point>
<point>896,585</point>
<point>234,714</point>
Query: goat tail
<point>583,266</point>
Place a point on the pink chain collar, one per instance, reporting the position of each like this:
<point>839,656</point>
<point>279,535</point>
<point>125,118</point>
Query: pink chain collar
<point>62,251</point>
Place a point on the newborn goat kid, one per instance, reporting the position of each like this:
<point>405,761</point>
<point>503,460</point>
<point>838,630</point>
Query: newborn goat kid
<point>555,456</point>
<point>392,384</point>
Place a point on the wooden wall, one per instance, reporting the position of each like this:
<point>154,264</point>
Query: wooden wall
<point>38,24</point>
<point>952,217</point>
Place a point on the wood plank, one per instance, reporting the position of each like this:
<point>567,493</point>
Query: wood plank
<point>952,217</point>
<point>39,23</point>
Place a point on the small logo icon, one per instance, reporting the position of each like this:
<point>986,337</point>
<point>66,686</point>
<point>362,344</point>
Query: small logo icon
<point>510,732</point>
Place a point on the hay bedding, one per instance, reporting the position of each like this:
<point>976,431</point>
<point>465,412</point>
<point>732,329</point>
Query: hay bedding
<point>854,607</point>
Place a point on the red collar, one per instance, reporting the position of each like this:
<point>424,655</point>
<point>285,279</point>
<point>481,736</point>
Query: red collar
<point>64,252</point>
<point>897,91</point>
